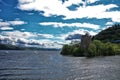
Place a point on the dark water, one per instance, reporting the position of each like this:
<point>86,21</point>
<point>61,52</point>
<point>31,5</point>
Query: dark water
<point>50,65</point>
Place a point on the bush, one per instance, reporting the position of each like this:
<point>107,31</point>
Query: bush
<point>72,50</point>
<point>116,48</point>
<point>109,49</point>
<point>67,50</point>
<point>78,51</point>
<point>99,47</point>
<point>92,50</point>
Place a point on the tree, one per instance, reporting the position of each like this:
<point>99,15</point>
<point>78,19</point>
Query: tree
<point>67,50</point>
<point>109,34</point>
<point>92,50</point>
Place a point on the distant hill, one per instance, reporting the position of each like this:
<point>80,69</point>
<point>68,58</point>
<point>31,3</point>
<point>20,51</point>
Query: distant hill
<point>13,47</point>
<point>10,47</point>
<point>109,34</point>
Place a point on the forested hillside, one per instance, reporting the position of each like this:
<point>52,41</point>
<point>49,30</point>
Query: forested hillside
<point>109,34</point>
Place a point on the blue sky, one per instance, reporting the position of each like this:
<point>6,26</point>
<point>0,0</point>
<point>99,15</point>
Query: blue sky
<point>47,23</point>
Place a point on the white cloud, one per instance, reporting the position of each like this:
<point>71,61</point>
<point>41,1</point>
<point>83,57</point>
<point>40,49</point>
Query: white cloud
<point>98,11</point>
<point>28,39</point>
<point>116,19</point>
<point>6,25</point>
<point>18,34</point>
<point>109,23</point>
<point>16,22</point>
<point>31,42</point>
<point>45,35</point>
<point>70,2</point>
<point>26,1</point>
<point>77,2</point>
<point>80,31</point>
<point>58,24</point>
<point>6,28</point>
<point>92,1</point>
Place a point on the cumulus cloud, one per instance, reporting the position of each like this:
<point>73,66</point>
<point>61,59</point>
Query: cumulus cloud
<point>82,31</point>
<point>6,28</point>
<point>30,42</point>
<point>6,25</point>
<point>109,23</point>
<point>16,22</point>
<point>45,35</point>
<point>19,34</point>
<point>29,39</point>
<point>25,35</point>
<point>27,1</point>
<point>75,34</point>
<point>77,2</point>
<point>58,24</point>
<point>96,11</point>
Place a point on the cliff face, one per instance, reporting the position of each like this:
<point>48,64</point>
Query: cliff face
<point>109,34</point>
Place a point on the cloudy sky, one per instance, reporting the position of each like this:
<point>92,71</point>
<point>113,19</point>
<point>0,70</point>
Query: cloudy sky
<point>47,23</point>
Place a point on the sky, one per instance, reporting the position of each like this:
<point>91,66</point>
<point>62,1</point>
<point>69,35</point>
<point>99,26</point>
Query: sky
<point>53,23</point>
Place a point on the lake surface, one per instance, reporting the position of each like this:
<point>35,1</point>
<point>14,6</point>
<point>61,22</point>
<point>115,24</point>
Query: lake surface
<point>50,65</point>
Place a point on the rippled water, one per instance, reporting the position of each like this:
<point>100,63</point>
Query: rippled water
<point>50,65</point>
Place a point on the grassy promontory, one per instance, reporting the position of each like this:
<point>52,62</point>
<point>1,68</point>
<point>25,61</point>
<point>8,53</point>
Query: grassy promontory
<point>97,47</point>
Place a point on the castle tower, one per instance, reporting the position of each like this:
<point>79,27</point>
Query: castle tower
<point>85,41</point>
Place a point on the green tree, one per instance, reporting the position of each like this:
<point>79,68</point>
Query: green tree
<point>78,51</point>
<point>109,34</point>
<point>99,47</point>
<point>67,50</point>
<point>92,50</point>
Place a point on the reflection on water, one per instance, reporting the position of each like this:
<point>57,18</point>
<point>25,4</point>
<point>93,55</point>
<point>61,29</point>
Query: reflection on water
<point>50,65</point>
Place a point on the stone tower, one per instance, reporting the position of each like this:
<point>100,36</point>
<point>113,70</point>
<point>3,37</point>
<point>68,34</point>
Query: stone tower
<point>85,41</point>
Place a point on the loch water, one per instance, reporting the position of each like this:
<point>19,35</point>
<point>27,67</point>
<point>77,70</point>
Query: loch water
<point>50,65</point>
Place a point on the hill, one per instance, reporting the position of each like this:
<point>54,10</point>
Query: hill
<point>110,34</point>
<point>10,47</point>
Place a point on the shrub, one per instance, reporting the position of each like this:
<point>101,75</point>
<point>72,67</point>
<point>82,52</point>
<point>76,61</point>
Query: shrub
<point>109,49</point>
<point>99,47</point>
<point>92,50</point>
<point>78,51</point>
<point>67,50</point>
